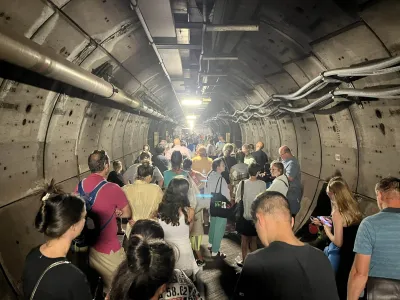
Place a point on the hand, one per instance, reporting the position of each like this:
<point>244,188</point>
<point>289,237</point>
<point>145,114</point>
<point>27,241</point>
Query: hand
<point>131,222</point>
<point>317,222</point>
<point>118,212</point>
<point>327,229</point>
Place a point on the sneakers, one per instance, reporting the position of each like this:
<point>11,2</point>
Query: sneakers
<point>200,263</point>
<point>220,255</point>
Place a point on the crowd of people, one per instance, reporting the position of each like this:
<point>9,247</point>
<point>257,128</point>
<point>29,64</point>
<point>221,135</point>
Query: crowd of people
<point>168,197</point>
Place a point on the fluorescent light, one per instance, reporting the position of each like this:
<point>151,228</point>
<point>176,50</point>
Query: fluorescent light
<point>191,102</point>
<point>191,117</point>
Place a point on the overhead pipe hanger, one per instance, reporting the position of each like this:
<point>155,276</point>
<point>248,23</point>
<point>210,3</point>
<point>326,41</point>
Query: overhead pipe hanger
<point>21,51</point>
<point>335,77</point>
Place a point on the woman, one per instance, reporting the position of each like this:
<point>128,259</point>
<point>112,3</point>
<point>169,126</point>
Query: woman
<point>247,191</point>
<point>176,168</point>
<point>229,161</point>
<point>61,218</point>
<point>346,217</point>
<point>143,196</point>
<point>280,183</point>
<point>197,232</point>
<point>248,159</point>
<point>116,175</point>
<point>150,229</point>
<point>202,163</point>
<point>146,148</point>
<point>145,273</point>
<point>176,217</point>
<point>216,182</point>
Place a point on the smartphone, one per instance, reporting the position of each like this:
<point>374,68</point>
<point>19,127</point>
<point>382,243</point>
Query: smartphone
<point>325,220</point>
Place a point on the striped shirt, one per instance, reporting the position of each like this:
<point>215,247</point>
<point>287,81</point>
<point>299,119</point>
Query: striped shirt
<point>379,236</point>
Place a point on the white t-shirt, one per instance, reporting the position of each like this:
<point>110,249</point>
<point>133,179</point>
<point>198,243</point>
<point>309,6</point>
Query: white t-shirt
<point>251,190</point>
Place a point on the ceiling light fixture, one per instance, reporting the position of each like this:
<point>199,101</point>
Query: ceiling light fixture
<point>191,102</point>
<point>191,117</point>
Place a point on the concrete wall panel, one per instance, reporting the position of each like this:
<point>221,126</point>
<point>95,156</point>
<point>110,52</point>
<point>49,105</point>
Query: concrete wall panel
<point>288,134</point>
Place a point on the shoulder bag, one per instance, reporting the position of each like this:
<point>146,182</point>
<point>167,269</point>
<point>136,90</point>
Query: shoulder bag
<point>220,206</point>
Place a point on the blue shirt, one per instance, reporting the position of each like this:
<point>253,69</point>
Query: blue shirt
<point>292,169</point>
<point>169,175</point>
<point>379,237</point>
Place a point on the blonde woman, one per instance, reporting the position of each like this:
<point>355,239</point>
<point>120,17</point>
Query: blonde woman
<point>345,217</point>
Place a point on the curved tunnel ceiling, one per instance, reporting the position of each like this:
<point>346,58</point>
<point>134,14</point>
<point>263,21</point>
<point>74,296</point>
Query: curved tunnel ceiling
<point>48,133</point>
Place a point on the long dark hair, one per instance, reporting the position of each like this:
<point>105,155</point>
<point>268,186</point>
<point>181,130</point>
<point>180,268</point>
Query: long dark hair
<point>149,264</point>
<point>175,198</point>
<point>58,212</point>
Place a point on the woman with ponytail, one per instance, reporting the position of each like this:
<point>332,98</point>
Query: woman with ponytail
<point>148,271</point>
<point>47,273</point>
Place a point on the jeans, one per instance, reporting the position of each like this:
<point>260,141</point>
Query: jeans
<point>333,253</point>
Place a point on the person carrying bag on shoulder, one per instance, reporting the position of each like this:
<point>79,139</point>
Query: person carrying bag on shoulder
<point>220,206</point>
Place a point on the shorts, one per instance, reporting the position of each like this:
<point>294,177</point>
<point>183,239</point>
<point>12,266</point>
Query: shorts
<point>246,227</point>
<point>195,241</point>
<point>106,264</point>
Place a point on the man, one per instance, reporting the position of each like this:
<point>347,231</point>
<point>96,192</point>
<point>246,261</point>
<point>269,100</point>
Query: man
<point>159,160</point>
<point>377,245</point>
<point>106,255</point>
<point>211,150</point>
<point>177,147</point>
<point>220,145</point>
<point>293,172</point>
<point>248,159</point>
<point>131,173</point>
<point>260,156</point>
<point>287,268</point>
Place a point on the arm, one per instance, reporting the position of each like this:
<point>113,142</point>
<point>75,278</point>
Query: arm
<point>363,245</point>
<point>122,207</point>
<point>358,276</point>
<point>292,170</point>
<point>190,218</point>
<point>238,192</point>
<point>158,176</point>
<point>336,238</point>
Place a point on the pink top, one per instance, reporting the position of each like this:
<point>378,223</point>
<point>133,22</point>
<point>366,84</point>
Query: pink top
<point>108,199</point>
<point>185,151</point>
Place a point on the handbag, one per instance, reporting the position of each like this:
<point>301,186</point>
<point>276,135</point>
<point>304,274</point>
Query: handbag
<point>62,262</point>
<point>220,206</point>
<point>239,210</point>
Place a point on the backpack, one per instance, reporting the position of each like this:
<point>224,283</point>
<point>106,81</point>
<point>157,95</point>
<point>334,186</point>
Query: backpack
<point>92,229</point>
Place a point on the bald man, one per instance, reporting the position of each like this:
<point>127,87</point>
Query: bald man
<point>293,172</point>
<point>260,156</point>
<point>177,147</point>
<point>286,268</point>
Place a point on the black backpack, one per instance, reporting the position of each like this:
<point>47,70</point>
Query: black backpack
<point>92,229</point>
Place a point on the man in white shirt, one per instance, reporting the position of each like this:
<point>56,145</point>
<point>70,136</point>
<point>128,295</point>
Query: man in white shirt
<point>177,147</point>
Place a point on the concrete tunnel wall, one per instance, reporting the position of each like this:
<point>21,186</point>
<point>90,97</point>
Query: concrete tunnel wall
<point>47,135</point>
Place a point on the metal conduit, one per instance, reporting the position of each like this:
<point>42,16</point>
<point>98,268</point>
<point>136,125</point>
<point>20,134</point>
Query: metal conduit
<point>23,52</point>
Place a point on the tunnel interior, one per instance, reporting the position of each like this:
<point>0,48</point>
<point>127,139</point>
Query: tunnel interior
<point>153,55</point>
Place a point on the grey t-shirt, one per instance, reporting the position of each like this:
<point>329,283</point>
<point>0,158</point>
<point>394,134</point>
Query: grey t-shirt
<point>292,169</point>
<point>251,190</point>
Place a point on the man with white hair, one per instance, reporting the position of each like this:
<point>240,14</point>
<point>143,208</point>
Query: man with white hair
<point>177,147</point>
<point>286,268</point>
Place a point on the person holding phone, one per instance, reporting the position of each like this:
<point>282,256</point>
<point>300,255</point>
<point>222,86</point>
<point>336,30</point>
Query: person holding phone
<point>345,219</point>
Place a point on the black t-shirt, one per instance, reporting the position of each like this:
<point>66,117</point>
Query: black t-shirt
<point>229,163</point>
<point>161,162</point>
<point>116,178</point>
<point>286,272</point>
<point>62,282</point>
<point>261,158</point>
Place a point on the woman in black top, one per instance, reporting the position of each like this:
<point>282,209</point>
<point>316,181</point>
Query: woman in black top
<point>61,218</point>
<point>116,176</point>
<point>228,160</point>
